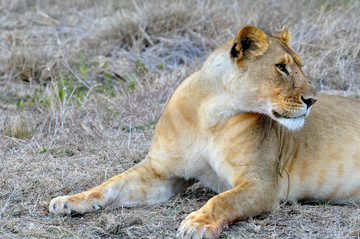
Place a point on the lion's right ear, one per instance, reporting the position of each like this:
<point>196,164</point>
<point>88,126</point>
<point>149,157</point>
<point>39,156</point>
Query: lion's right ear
<point>283,34</point>
<point>249,43</point>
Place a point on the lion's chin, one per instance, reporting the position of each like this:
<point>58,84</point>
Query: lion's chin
<point>292,123</point>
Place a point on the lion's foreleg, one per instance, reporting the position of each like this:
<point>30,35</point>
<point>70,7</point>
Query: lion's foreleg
<point>142,184</point>
<point>250,198</point>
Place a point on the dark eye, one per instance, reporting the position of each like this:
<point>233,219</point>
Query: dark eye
<point>282,67</point>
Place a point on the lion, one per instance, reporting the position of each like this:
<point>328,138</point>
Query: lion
<point>245,125</point>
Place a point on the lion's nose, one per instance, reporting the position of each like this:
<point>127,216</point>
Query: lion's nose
<point>309,101</point>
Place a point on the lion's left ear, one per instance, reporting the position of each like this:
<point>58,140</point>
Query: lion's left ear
<point>249,43</point>
<point>284,34</point>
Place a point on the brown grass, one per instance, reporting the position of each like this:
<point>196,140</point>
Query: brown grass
<point>82,84</point>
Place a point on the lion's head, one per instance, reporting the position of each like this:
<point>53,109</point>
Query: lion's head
<point>260,73</point>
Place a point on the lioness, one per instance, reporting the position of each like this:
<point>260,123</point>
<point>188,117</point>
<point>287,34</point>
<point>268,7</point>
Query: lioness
<point>238,126</point>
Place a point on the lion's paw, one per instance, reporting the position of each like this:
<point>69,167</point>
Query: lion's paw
<point>67,205</point>
<point>194,226</point>
<point>60,205</point>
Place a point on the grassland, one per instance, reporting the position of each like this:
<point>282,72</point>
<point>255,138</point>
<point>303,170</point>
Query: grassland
<point>83,83</point>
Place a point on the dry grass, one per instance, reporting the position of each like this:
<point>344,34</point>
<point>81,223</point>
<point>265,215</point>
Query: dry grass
<point>84,82</point>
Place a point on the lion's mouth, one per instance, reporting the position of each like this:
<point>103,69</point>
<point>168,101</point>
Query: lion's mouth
<point>277,115</point>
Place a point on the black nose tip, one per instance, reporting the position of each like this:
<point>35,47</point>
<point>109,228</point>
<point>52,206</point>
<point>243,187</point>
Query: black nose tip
<point>309,101</point>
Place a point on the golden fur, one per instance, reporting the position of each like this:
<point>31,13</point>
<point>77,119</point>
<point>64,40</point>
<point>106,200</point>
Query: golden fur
<point>238,126</point>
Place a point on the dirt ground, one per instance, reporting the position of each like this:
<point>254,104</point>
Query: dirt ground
<point>83,83</point>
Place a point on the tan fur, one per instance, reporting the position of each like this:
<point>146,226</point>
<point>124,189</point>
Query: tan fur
<point>283,34</point>
<point>233,125</point>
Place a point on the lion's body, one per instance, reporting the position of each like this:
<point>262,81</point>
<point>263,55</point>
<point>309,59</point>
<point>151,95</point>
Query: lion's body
<point>323,158</point>
<point>227,125</point>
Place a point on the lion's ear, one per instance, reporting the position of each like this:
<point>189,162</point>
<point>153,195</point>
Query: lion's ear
<point>284,34</point>
<point>250,42</point>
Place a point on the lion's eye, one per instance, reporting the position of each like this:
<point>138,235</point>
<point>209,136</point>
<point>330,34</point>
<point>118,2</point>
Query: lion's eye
<point>282,67</point>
